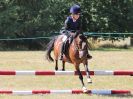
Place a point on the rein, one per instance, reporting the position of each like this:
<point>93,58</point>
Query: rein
<point>77,48</point>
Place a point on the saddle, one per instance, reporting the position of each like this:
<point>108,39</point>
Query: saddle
<point>67,43</point>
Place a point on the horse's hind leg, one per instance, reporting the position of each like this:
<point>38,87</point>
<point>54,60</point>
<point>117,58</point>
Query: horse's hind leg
<point>63,65</point>
<point>56,65</point>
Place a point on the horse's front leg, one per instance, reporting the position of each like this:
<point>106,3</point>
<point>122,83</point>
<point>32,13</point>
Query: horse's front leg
<point>63,65</point>
<point>87,72</point>
<point>81,78</point>
<point>56,65</point>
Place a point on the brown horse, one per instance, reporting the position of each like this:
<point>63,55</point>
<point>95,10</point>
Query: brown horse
<point>76,54</point>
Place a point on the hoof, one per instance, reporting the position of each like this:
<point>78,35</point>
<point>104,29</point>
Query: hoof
<point>56,69</point>
<point>89,80</point>
<point>61,69</point>
<point>84,89</point>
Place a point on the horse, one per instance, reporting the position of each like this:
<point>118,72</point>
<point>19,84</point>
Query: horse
<point>76,54</point>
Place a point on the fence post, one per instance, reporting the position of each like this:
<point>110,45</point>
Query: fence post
<point>131,41</point>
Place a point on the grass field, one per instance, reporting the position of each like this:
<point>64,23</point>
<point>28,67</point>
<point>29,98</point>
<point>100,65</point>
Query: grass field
<point>35,60</point>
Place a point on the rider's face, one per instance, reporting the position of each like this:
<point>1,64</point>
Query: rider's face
<point>76,16</point>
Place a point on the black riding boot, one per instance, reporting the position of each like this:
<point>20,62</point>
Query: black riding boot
<point>89,56</point>
<point>70,39</point>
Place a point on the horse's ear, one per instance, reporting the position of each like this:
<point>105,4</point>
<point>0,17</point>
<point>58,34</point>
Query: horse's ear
<point>81,36</point>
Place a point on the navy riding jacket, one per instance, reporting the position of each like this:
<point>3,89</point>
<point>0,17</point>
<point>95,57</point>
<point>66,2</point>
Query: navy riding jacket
<point>72,26</point>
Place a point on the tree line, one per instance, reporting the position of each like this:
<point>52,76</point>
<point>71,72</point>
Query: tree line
<point>33,18</point>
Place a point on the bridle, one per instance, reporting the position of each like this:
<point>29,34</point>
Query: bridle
<point>77,46</point>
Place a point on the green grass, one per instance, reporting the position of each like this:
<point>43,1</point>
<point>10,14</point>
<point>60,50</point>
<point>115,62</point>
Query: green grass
<point>35,60</point>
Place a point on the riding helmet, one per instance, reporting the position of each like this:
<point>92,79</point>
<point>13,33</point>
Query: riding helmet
<point>75,9</point>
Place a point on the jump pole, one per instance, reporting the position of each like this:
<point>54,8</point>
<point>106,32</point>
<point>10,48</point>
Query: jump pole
<point>100,92</point>
<point>48,73</point>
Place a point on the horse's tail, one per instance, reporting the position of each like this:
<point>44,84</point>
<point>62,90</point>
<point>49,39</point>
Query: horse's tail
<point>50,47</point>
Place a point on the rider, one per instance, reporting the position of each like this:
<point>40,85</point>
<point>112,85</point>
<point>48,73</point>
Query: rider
<point>72,25</point>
